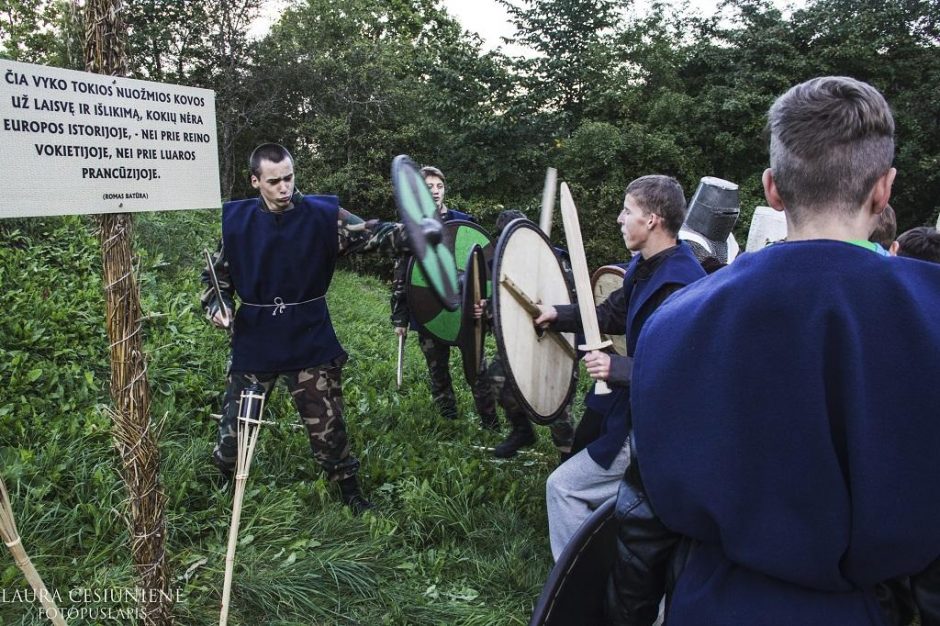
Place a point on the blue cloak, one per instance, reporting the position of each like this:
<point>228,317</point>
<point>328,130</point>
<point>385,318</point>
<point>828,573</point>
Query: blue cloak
<point>785,414</point>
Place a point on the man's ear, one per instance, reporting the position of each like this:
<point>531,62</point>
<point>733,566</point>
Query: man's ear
<point>255,182</point>
<point>893,248</point>
<point>881,192</point>
<point>770,191</point>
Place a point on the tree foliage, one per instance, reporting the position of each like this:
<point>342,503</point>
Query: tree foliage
<point>40,31</point>
<point>609,91</point>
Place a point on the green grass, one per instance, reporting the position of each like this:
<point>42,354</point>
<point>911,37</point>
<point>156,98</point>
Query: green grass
<point>459,537</point>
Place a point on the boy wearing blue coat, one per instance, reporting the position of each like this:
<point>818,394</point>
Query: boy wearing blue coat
<point>278,252</point>
<point>785,408</point>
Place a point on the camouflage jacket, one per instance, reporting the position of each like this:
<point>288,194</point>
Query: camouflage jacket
<point>400,313</point>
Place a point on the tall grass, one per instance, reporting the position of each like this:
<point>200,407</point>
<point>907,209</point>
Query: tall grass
<point>458,537</point>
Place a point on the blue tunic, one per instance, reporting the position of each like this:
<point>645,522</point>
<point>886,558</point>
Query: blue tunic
<point>284,258</point>
<point>785,416</point>
<point>679,268</point>
<point>452,214</point>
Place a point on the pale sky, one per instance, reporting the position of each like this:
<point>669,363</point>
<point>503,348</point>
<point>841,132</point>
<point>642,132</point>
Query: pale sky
<point>491,21</point>
<point>484,17</point>
<point>487,18</point>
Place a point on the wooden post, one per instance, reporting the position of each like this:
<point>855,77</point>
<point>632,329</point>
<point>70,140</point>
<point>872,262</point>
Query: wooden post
<point>135,436</point>
<point>582,281</point>
<point>548,201</point>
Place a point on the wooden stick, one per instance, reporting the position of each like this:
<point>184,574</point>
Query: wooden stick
<point>249,426</point>
<point>11,538</point>
<point>582,282</point>
<point>216,417</point>
<point>401,360</point>
<point>548,200</point>
<point>532,309</point>
<point>478,332</point>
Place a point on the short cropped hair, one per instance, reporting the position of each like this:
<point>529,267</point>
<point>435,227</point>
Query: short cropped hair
<point>831,138</point>
<point>430,170</point>
<point>921,243</point>
<point>886,230</point>
<point>662,196</point>
<point>273,152</point>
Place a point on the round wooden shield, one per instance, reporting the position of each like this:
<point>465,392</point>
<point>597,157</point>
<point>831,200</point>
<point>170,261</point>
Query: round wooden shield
<point>473,330</point>
<point>576,586</point>
<point>606,280</point>
<point>540,365</point>
<point>435,319</point>
<point>425,232</point>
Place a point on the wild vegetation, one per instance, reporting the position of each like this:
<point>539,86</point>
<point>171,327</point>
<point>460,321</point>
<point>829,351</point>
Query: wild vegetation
<point>459,537</point>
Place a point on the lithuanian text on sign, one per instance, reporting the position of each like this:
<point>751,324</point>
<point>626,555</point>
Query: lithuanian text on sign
<point>75,142</point>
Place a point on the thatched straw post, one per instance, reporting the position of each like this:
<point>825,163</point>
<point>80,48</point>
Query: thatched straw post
<point>250,409</point>
<point>134,435</point>
<point>11,538</point>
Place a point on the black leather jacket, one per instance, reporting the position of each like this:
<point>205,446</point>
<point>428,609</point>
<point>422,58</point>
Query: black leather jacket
<point>645,550</point>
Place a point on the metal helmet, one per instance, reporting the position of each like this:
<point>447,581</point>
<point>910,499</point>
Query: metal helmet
<point>713,212</point>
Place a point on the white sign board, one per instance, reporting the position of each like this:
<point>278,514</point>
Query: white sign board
<point>75,142</point>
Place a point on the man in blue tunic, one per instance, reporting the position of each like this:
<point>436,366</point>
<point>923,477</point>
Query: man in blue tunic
<point>653,211</point>
<point>278,252</point>
<point>785,408</point>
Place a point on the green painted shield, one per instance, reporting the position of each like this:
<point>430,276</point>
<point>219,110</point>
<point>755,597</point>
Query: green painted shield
<point>444,325</point>
<point>425,232</point>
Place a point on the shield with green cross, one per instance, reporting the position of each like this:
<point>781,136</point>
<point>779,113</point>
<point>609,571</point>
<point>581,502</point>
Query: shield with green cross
<point>458,237</point>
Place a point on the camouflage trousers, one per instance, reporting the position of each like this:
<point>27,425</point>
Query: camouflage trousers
<point>437,355</point>
<point>318,395</point>
<point>561,429</point>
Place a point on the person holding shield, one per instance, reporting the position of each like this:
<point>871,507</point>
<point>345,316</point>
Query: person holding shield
<point>437,354</point>
<point>277,253</point>
<point>521,433</point>
<point>653,211</point>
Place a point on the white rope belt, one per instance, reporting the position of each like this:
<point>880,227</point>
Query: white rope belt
<point>280,306</point>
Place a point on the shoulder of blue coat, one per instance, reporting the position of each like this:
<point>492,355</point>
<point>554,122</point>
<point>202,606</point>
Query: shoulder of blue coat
<point>236,205</point>
<point>321,201</point>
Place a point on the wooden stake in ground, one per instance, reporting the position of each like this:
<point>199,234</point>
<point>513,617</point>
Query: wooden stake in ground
<point>135,437</point>
<point>11,537</point>
<point>582,281</point>
<point>250,409</point>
